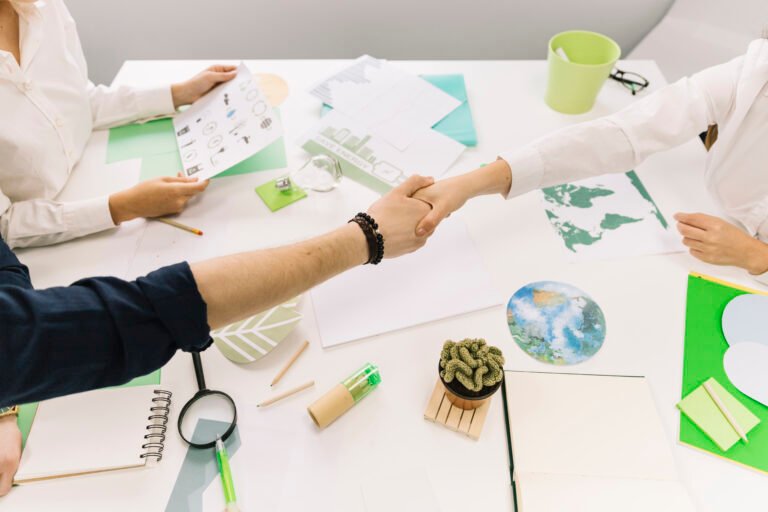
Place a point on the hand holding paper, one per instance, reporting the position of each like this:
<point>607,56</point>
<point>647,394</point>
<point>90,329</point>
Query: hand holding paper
<point>188,92</point>
<point>154,198</point>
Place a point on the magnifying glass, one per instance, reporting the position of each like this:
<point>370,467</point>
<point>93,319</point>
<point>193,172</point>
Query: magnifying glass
<point>321,173</point>
<point>206,421</point>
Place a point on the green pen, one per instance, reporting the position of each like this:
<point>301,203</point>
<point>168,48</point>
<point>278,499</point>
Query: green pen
<point>226,476</point>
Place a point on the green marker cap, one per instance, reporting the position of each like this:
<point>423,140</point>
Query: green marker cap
<point>362,381</point>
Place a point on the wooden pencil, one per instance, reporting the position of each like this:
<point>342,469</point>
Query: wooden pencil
<point>179,225</point>
<point>286,394</point>
<point>290,362</point>
<point>727,413</point>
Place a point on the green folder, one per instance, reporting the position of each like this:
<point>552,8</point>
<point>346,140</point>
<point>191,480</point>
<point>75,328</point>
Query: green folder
<point>155,144</point>
<point>704,412</point>
<point>457,125</point>
<point>705,347</point>
<point>27,411</point>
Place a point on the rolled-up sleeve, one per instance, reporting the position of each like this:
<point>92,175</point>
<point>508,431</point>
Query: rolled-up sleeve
<point>97,332</point>
<point>617,143</point>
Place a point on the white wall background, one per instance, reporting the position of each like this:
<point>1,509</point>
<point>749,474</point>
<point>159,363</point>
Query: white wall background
<point>113,31</point>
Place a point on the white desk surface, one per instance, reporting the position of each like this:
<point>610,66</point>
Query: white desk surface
<point>643,300</point>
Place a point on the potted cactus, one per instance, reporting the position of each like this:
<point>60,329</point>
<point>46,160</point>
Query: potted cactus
<point>471,372</point>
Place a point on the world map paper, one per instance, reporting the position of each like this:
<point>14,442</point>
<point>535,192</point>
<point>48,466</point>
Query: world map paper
<point>610,216</point>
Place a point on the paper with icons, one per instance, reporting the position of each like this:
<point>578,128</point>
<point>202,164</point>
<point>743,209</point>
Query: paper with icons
<point>229,124</point>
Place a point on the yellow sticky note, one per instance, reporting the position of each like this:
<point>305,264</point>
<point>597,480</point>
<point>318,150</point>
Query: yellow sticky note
<point>703,411</point>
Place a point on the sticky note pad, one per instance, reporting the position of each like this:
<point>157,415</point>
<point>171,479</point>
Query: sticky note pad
<point>276,199</point>
<point>702,410</point>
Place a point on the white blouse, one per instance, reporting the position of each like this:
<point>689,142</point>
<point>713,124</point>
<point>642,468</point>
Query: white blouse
<point>48,108</point>
<point>732,95</point>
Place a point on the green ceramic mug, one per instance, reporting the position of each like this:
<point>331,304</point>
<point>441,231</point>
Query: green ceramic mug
<point>579,64</point>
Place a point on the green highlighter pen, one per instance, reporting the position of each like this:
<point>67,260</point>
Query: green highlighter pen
<point>226,476</point>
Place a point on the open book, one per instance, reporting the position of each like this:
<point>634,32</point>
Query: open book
<point>589,443</point>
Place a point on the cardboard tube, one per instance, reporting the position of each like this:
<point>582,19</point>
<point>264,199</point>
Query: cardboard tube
<point>331,406</point>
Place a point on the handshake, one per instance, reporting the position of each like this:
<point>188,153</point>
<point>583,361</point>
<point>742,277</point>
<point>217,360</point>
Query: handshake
<point>409,214</point>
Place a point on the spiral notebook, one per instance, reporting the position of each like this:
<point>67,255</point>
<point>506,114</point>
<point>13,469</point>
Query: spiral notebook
<point>95,432</point>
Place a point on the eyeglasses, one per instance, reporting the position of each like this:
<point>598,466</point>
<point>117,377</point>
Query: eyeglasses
<point>632,81</point>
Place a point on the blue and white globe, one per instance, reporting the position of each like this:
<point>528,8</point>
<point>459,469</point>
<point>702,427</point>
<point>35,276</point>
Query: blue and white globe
<point>556,323</point>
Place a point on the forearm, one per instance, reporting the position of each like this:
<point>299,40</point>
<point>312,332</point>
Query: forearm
<point>757,260</point>
<point>98,332</point>
<point>240,285</point>
<point>494,178</point>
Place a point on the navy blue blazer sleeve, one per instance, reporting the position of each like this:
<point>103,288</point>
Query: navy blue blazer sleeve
<point>97,332</point>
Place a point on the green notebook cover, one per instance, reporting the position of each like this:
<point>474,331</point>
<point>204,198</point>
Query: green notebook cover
<point>27,411</point>
<point>704,412</point>
<point>705,347</point>
<point>457,125</point>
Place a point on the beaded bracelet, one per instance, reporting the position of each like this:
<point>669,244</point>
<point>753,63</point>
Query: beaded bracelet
<point>372,236</point>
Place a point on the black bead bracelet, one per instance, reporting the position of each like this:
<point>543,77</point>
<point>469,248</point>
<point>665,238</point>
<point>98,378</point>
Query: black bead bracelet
<point>372,237</point>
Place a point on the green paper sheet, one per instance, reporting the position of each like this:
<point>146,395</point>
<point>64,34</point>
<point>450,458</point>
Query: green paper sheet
<point>703,411</point>
<point>457,125</point>
<point>705,347</point>
<point>275,199</point>
<point>157,166</point>
<point>155,144</point>
<point>140,140</point>
<point>28,411</point>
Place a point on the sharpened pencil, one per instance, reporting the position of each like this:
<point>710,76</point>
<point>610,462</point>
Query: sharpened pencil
<point>723,409</point>
<point>290,362</point>
<point>286,394</point>
<point>179,225</point>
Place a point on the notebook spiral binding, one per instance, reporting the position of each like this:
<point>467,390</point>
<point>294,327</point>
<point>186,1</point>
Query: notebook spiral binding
<point>158,425</point>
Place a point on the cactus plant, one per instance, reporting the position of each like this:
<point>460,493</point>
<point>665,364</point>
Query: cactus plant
<point>472,362</point>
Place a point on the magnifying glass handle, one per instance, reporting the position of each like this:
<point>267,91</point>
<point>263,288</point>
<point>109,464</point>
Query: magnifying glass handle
<point>198,370</point>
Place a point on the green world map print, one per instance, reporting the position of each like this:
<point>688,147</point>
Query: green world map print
<point>610,216</point>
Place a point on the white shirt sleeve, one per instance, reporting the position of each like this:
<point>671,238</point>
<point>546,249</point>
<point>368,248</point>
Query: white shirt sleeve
<point>113,106</point>
<point>44,222</point>
<point>619,142</point>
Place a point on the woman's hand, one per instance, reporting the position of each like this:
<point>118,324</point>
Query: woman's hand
<point>716,241</point>
<point>154,198</point>
<point>445,197</point>
<point>196,87</point>
<point>397,214</point>
<point>10,452</point>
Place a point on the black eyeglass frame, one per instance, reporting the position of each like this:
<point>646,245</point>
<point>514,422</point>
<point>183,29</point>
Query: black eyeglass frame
<point>638,84</point>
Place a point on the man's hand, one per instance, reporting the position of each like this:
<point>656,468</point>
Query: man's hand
<point>196,87</point>
<point>397,214</point>
<point>445,197</point>
<point>10,452</point>
<point>716,241</point>
<point>154,198</point>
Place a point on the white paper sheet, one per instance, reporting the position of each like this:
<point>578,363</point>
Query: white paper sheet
<point>745,364</point>
<point>231,123</point>
<point>392,104</point>
<point>445,278</point>
<point>609,216</point>
<point>406,490</point>
<point>340,136</point>
<point>743,319</point>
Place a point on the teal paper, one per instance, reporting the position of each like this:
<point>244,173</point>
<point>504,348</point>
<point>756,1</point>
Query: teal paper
<point>199,469</point>
<point>457,125</point>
